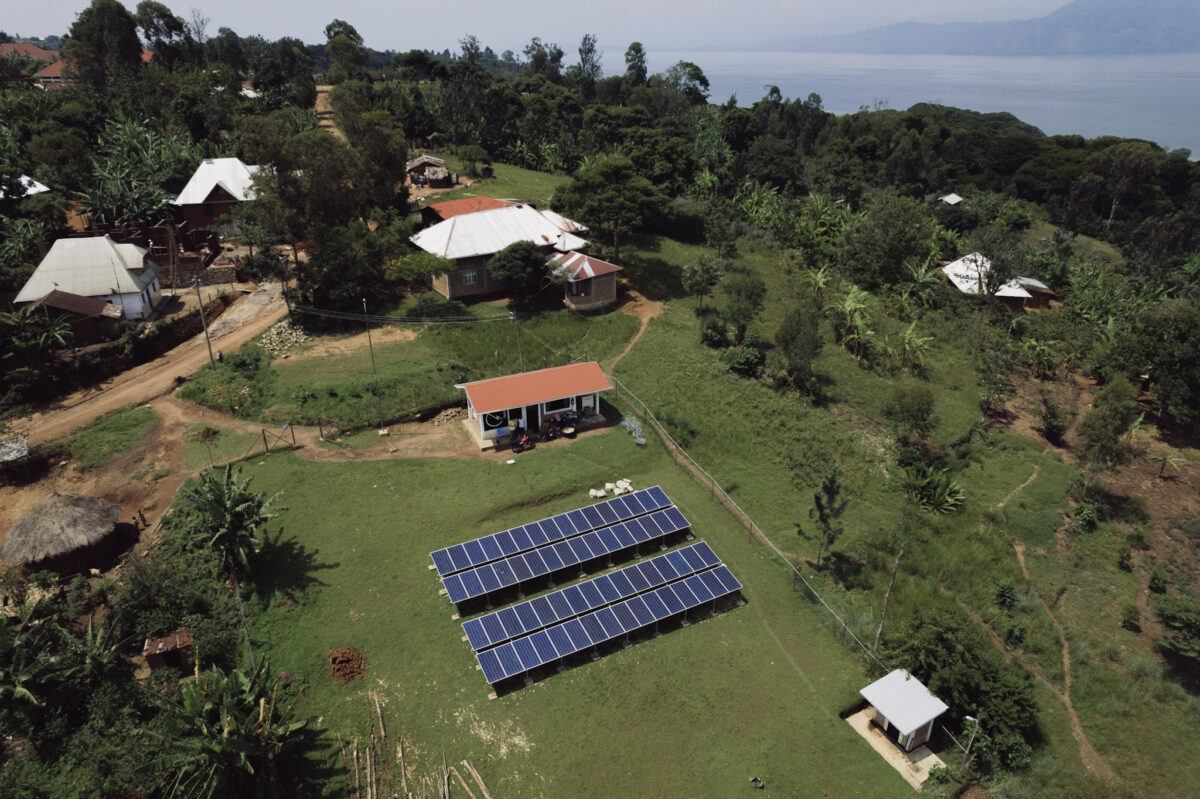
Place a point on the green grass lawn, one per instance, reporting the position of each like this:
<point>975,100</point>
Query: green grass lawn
<point>227,445</point>
<point>119,431</point>
<point>507,182</point>
<point>694,712</point>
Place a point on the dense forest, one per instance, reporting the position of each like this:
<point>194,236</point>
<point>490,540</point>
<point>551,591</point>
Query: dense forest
<point>850,203</point>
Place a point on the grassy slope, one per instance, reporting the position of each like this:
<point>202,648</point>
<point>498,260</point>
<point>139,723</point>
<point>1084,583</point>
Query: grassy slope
<point>770,451</point>
<point>694,712</point>
<point>508,182</point>
<point>423,372</point>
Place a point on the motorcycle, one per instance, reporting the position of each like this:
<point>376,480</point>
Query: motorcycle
<point>522,441</point>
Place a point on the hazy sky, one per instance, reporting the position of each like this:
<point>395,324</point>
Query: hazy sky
<point>680,24</point>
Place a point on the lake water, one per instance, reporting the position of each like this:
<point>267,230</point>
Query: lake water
<point>1155,97</point>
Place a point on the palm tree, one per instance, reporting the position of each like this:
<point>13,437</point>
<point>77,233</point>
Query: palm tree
<point>33,333</point>
<point>224,734</point>
<point>1169,458</point>
<point>913,347</point>
<point>233,515</point>
<point>90,659</point>
<point>846,309</point>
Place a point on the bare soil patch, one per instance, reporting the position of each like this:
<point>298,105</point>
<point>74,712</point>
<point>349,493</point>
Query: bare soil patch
<point>347,664</point>
<point>349,344</point>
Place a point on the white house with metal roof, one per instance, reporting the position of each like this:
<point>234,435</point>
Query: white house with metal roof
<point>216,186</point>
<point>471,240</point>
<point>969,275</point>
<point>32,186</point>
<point>901,701</point>
<point>97,267</point>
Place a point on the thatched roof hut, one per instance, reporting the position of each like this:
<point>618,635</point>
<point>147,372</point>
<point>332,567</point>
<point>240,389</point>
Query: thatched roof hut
<point>60,525</point>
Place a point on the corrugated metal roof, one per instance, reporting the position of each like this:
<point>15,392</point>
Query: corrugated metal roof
<point>951,199</point>
<point>468,205</point>
<point>73,303</point>
<point>228,173</point>
<point>582,267</point>
<point>424,159</point>
<point>904,701</point>
<point>180,639</point>
<point>91,267</point>
<point>489,232</point>
<point>32,187</point>
<point>544,385</point>
<point>968,272</point>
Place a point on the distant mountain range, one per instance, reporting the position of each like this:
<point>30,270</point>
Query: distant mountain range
<point>1083,27</point>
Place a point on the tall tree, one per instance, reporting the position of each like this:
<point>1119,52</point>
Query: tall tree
<point>1103,428</point>
<point>521,266</point>
<point>799,338</point>
<point>610,194</point>
<point>102,43</point>
<point>635,65</point>
<point>343,45</point>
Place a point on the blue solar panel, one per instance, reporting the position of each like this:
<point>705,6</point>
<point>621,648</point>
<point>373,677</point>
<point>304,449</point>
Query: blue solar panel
<point>505,540</point>
<point>607,513</point>
<point>487,576</point>
<point>493,672</point>
<point>545,613</point>
<point>669,599</point>
<point>591,625</point>
<point>697,587</point>
<point>509,661</point>
<point>728,580</point>
<point>712,583</point>
<point>685,594</point>
<point>576,600</point>
<point>441,559</point>
<point>625,617</point>
<point>459,556</point>
<point>612,627</point>
<point>623,535</point>
<point>526,652</point>
<point>606,590</point>
<point>535,534</point>
<point>579,549</point>
<point>491,548</point>
<point>454,588</point>
<point>637,606</point>
<point>579,637</point>
<point>475,552</point>
<point>656,606</point>
<point>562,642</point>
<point>471,583</point>
<point>544,647</point>
<point>476,634</point>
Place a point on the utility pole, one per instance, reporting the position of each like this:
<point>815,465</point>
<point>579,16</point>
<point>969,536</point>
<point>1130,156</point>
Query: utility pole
<point>204,322</point>
<point>967,754</point>
<point>371,347</point>
<point>517,323</point>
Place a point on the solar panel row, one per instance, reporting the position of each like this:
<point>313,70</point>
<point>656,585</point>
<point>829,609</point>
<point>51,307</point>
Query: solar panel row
<point>550,558</point>
<point>512,622</point>
<point>530,536</point>
<point>546,646</point>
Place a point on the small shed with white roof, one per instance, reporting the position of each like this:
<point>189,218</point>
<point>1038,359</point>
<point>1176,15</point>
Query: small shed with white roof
<point>969,275</point>
<point>901,701</point>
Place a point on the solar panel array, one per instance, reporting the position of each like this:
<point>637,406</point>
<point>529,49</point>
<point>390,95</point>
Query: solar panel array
<point>544,611</point>
<point>504,544</point>
<point>566,638</point>
<point>546,559</point>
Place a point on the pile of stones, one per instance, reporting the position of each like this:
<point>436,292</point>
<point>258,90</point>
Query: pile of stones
<point>282,337</point>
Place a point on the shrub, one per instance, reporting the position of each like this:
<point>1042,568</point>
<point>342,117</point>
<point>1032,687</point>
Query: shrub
<point>933,489</point>
<point>1087,516</point>
<point>713,334</point>
<point>910,410</point>
<point>1131,617</point>
<point>1005,595</point>
<point>745,361</point>
<point>1014,634</point>
<point>1054,418</point>
<point>1158,580</point>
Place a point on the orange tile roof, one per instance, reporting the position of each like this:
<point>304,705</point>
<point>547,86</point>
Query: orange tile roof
<point>467,205</point>
<point>558,382</point>
<point>27,49</point>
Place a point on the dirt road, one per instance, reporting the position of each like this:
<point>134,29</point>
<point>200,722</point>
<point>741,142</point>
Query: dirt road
<point>245,319</point>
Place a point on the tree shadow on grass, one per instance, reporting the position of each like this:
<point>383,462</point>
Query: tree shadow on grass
<point>288,568</point>
<point>653,277</point>
<point>310,763</point>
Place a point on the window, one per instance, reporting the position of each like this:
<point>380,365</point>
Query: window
<point>470,278</point>
<point>209,211</point>
<point>558,405</point>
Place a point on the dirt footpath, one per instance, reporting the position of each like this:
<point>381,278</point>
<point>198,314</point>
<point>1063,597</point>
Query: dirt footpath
<point>246,318</point>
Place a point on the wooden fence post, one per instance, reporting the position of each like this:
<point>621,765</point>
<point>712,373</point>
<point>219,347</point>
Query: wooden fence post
<point>266,446</point>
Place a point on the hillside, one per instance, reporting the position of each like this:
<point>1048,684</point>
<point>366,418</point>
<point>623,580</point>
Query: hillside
<point>1083,27</point>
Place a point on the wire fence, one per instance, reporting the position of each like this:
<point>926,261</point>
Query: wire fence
<point>397,320</point>
<point>702,476</point>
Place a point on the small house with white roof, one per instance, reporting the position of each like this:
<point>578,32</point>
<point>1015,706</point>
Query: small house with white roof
<point>901,702</point>
<point>98,267</point>
<point>969,275</point>
<point>215,188</point>
<point>470,240</point>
